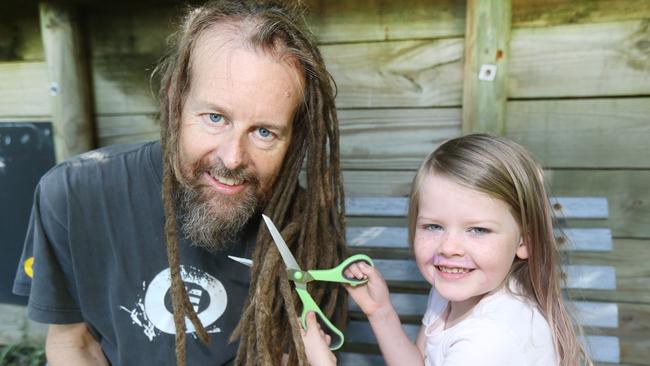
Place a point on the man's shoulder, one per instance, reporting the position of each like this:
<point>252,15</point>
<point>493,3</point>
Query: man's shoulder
<point>110,162</point>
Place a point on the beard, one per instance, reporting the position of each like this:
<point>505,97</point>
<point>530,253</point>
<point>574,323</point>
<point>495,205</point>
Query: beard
<point>212,220</point>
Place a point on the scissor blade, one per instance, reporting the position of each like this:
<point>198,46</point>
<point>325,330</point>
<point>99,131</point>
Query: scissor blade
<point>244,261</point>
<point>287,257</point>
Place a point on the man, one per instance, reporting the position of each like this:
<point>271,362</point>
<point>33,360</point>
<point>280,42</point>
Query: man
<point>245,103</point>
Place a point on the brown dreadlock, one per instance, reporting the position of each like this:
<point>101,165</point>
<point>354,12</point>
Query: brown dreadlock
<point>311,219</point>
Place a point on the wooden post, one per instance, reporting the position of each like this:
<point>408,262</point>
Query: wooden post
<point>68,76</point>
<point>487,39</point>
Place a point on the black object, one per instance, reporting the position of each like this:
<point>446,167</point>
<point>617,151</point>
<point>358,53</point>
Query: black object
<point>26,153</point>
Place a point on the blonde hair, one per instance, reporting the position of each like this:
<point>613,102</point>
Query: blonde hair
<point>504,170</point>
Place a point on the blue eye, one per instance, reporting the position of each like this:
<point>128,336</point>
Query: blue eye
<point>479,230</point>
<point>432,227</point>
<point>264,132</point>
<point>215,117</point>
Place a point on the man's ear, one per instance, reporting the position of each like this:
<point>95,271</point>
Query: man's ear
<point>522,249</point>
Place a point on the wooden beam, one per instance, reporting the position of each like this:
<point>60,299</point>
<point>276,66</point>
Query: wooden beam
<point>68,80</point>
<point>487,38</point>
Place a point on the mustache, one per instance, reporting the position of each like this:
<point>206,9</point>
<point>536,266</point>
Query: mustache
<point>218,169</point>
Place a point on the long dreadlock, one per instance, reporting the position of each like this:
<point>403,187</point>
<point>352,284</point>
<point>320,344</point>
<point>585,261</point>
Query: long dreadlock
<point>311,219</point>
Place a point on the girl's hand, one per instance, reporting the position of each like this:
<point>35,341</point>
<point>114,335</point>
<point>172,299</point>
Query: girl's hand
<point>317,343</point>
<point>373,297</point>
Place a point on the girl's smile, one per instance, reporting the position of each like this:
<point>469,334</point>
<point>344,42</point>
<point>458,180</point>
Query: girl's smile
<point>465,241</point>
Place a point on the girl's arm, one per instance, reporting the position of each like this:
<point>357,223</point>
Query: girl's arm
<point>374,300</point>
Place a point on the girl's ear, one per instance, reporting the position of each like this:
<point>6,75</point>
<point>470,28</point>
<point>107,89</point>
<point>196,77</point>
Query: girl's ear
<point>522,249</point>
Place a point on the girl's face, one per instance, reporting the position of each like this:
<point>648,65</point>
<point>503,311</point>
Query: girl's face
<point>465,241</point>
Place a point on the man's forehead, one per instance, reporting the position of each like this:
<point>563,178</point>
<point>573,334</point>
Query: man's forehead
<point>216,49</point>
<point>224,37</point>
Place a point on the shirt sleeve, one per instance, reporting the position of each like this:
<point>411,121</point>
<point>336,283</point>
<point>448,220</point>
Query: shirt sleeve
<point>483,342</point>
<point>45,271</point>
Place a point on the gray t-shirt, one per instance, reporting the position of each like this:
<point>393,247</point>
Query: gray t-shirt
<point>99,257</point>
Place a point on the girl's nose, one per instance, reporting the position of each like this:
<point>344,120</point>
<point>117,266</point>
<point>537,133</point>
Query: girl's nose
<point>450,245</point>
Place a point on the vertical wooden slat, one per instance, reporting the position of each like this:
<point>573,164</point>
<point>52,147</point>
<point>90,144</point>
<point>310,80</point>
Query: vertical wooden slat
<point>487,51</point>
<point>68,76</point>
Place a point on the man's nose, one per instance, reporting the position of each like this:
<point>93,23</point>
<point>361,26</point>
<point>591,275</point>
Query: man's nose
<point>232,151</point>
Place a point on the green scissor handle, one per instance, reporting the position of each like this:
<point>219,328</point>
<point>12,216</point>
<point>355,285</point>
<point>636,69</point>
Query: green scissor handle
<point>336,274</point>
<point>308,305</point>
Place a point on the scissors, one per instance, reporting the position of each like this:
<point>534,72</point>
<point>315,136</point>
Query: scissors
<point>300,279</point>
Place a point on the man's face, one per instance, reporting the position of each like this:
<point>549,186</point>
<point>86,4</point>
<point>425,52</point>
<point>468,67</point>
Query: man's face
<point>236,127</point>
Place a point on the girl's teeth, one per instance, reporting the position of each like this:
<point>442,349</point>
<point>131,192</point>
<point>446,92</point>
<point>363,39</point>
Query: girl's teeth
<point>453,270</point>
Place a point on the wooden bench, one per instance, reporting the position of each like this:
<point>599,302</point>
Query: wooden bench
<point>377,227</point>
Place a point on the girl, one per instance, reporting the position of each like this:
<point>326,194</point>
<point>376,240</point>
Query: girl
<point>481,229</point>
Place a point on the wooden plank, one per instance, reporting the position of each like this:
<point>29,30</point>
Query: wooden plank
<point>593,239</point>
<point>590,277</point>
<point>125,47</point>
<point>588,313</point>
<point>601,59</point>
<point>376,206</point>
<point>585,240</point>
<point>376,20</point>
<point>627,192</point>
<point>126,129</point>
<point>404,304</point>
<point>629,258</point>
<point>487,38</point>
<point>602,348</point>
<point>580,207</point>
<point>20,39</point>
<point>69,84</point>
<point>403,74</point>
<point>572,133</point>
<point>632,333</point>
<point>24,89</point>
<point>397,74</point>
<point>369,138</point>
<point>121,85</point>
<point>564,207</point>
<point>587,276</point>
<point>596,314</point>
<point>546,13</point>
<point>375,139</point>
<point>359,359</point>
<point>331,22</point>
<point>135,29</point>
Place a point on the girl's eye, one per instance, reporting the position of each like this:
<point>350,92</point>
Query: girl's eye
<point>215,117</point>
<point>479,230</point>
<point>432,227</point>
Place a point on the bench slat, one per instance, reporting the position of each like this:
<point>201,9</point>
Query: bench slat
<point>359,359</point>
<point>596,314</point>
<point>598,239</point>
<point>588,313</point>
<point>588,240</point>
<point>578,276</point>
<point>565,207</point>
<point>601,348</point>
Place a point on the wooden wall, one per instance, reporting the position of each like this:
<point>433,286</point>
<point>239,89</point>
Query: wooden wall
<point>578,97</point>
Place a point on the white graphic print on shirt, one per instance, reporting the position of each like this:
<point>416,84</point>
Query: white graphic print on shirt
<point>153,312</point>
